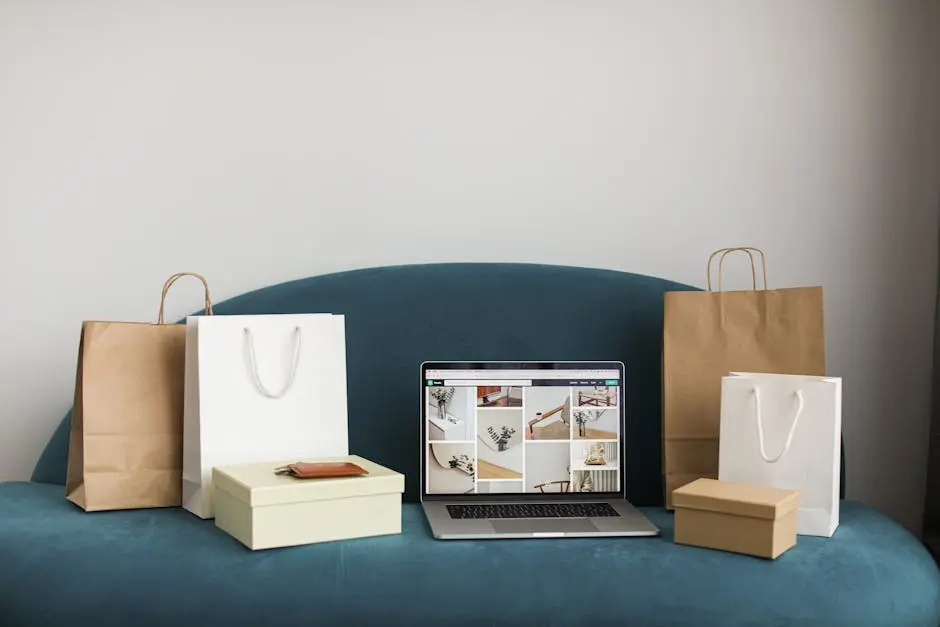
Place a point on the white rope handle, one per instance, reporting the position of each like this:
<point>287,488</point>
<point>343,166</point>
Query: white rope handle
<point>760,427</point>
<point>250,347</point>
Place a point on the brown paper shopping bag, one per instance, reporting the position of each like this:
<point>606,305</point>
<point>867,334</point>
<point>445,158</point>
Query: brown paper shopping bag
<point>708,334</point>
<point>126,439</point>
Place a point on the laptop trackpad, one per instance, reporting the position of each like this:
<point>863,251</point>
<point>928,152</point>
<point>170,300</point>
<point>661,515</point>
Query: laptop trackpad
<point>543,525</point>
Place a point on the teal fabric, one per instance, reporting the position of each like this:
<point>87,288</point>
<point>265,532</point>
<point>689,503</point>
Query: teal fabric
<point>399,316</point>
<point>167,568</point>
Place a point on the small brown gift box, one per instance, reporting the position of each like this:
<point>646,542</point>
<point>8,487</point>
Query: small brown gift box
<point>737,517</point>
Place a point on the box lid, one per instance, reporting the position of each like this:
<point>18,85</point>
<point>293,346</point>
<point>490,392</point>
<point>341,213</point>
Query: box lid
<point>258,485</point>
<point>739,499</point>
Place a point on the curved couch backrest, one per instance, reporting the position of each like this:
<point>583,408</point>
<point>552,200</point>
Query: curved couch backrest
<point>400,316</point>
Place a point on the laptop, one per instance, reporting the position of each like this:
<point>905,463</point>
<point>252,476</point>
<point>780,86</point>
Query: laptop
<point>525,450</point>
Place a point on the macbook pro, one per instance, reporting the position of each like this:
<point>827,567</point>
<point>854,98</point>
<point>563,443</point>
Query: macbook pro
<point>525,450</point>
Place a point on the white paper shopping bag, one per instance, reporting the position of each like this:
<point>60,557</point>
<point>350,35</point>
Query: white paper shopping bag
<point>260,388</point>
<point>784,431</point>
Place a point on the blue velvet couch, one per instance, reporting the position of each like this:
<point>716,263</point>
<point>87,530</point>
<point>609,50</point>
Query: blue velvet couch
<point>60,566</point>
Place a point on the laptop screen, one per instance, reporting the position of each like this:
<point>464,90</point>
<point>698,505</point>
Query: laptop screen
<point>527,428</point>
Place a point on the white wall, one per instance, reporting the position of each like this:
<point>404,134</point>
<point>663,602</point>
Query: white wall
<point>262,141</point>
<point>462,406</point>
<point>541,400</point>
<point>546,461</point>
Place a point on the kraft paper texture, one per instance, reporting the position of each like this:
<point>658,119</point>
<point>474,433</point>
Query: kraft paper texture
<point>708,334</point>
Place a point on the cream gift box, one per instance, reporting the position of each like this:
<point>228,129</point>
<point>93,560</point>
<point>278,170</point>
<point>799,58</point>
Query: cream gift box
<point>265,510</point>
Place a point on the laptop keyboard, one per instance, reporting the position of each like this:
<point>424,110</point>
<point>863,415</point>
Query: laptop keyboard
<point>531,510</point>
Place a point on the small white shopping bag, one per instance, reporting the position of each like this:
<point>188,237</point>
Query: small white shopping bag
<point>784,431</point>
<point>260,388</point>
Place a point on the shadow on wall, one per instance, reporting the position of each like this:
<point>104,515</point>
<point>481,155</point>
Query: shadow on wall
<point>932,502</point>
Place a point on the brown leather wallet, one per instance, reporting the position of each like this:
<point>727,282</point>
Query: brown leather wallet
<point>321,470</point>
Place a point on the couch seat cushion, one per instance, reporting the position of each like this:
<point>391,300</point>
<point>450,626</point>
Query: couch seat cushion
<point>61,566</point>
